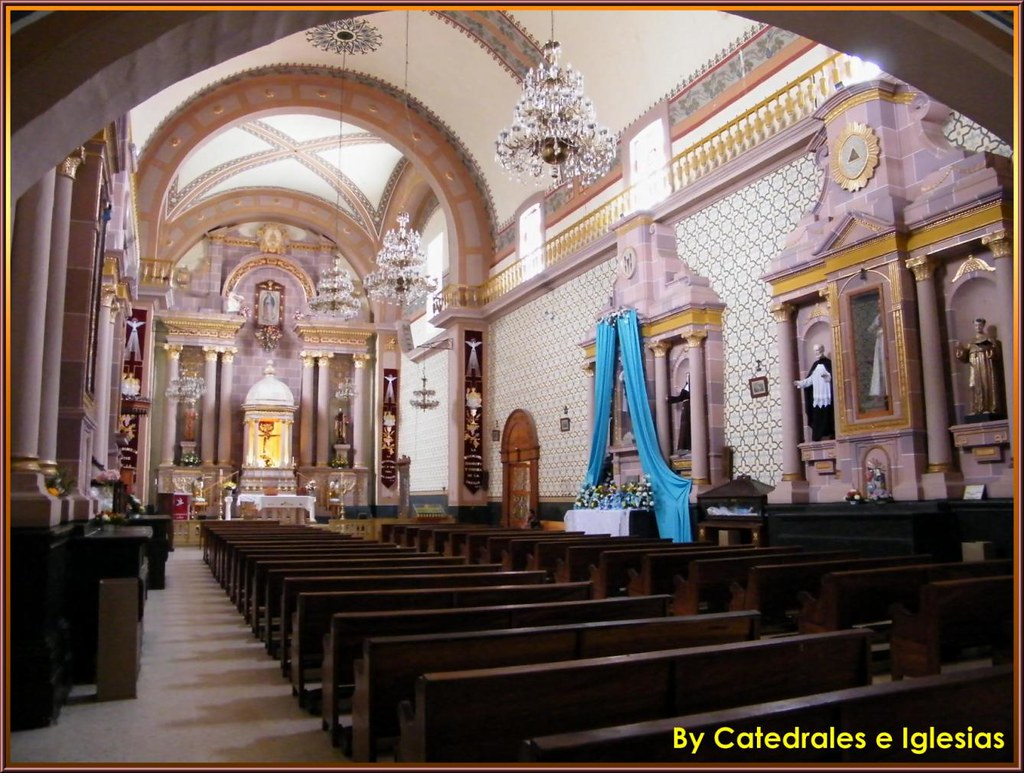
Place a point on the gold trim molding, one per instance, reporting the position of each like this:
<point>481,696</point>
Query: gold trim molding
<point>200,327</point>
<point>333,335</point>
<point>304,280</point>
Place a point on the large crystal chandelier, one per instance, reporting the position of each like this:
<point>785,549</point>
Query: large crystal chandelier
<point>554,126</point>
<point>346,390</point>
<point>187,388</point>
<point>423,398</point>
<point>335,293</point>
<point>398,277</point>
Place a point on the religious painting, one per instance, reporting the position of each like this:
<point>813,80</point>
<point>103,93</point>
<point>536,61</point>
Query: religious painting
<point>758,386</point>
<point>871,362</point>
<point>622,422</point>
<point>268,306</point>
<point>269,320</point>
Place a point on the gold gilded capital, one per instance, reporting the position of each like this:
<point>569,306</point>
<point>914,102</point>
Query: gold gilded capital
<point>308,360</point>
<point>694,340</point>
<point>211,353</point>
<point>173,351</point>
<point>661,348</point>
<point>1000,244</point>
<point>922,267</point>
<point>228,355</point>
<point>782,312</point>
<point>360,360</point>
<point>322,358</point>
<point>69,166</point>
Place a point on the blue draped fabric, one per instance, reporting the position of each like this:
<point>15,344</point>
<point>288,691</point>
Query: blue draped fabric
<point>604,378</point>
<point>671,492</point>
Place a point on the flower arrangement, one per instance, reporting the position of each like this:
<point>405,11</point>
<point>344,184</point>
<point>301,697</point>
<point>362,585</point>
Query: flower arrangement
<point>106,478</point>
<point>338,462</point>
<point>609,496</point>
<point>310,487</point>
<point>105,517</point>
<point>60,483</point>
<point>190,459</point>
<point>854,497</point>
<point>268,336</point>
<point>229,486</point>
<point>134,505</point>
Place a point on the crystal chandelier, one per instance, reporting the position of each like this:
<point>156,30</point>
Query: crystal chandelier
<point>346,390</point>
<point>398,277</point>
<point>335,293</point>
<point>554,125</point>
<point>187,388</point>
<point>423,398</point>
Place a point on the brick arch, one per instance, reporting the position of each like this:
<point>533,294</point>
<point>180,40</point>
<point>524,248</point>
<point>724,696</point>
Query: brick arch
<point>436,154</point>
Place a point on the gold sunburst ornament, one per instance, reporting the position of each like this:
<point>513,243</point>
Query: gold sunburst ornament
<point>855,156</point>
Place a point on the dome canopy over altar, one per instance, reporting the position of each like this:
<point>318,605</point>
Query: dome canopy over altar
<point>269,392</point>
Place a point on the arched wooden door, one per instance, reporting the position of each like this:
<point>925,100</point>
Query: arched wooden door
<point>520,454</point>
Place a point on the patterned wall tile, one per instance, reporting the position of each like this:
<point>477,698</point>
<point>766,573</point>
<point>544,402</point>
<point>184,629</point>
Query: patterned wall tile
<point>963,132</point>
<point>540,369</point>
<point>731,243</point>
<point>423,435</point>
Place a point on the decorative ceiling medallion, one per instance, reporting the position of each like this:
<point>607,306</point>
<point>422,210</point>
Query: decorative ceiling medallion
<point>855,156</point>
<point>346,36</point>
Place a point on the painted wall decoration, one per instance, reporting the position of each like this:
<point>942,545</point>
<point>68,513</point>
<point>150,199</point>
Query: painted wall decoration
<point>131,388</point>
<point>389,429</point>
<point>472,428</point>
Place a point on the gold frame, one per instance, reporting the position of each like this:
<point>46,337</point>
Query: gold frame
<point>867,134</point>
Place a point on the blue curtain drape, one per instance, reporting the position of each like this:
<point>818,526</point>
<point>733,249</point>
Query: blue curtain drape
<point>671,492</point>
<point>604,378</point>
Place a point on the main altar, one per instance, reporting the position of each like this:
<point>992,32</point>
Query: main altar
<point>269,411</point>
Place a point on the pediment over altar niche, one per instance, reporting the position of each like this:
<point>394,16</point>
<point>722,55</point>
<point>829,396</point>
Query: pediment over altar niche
<point>852,228</point>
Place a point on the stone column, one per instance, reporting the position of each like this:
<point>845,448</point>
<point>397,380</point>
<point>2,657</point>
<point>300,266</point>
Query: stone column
<point>208,428</point>
<point>1001,244</point>
<point>361,407</point>
<point>227,378</point>
<point>104,353</point>
<point>323,417</point>
<point>588,368</point>
<point>936,413</point>
<point>790,396</point>
<point>661,395</point>
<point>170,405</point>
<point>53,343</point>
<point>306,411</point>
<point>698,410</point>
<point>30,259</point>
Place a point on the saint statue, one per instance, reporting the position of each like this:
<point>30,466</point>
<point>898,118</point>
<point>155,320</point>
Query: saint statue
<point>984,357</point>
<point>340,432</point>
<point>683,436</point>
<point>818,396</point>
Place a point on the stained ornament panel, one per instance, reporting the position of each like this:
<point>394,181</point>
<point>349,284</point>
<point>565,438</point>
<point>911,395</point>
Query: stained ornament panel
<point>731,243</point>
<point>539,368</point>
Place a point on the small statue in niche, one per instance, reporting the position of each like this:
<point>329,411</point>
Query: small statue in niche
<point>984,357</point>
<point>340,430</point>
<point>875,486</point>
<point>683,435</point>
<point>818,396</point>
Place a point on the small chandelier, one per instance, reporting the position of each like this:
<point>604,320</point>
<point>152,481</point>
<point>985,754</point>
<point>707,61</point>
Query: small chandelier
<point>398,278</point>
<point>346,390</point>
<point>554,125</point>
<point>335,293</point>
<point>187,388</point>
<point>423,398</point>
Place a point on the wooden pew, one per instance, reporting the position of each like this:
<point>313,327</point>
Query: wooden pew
<point>951,615</point>
<point>453,543</point>
<point>224,553</point>
<point>474,542</point>
<point>302,646</point>
<point>387,671</point>
<point>483,715</point>
<point>980,699</point>
<point>493,549</point>
<point>772,589</point>
<point>658,570</point>
<point>546,553</point>
<point>864,596</point>
<point>705,588</point>
<point>270,576</point>
<point>572,564</point>
<point>609,574</point>
<point>410,579</point>
<point>343,646</point>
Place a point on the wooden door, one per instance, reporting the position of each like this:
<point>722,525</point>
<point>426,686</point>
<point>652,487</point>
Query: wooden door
<point>520,454</point>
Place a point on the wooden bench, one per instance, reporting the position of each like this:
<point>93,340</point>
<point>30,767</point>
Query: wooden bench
<point>864,596</point>
<point>232,557</point>
<point>387,671</point>
<point>979,699</point>
<point>658,570</point>
<point>410,579</point>
<point>516,554</point>
<point>573,563</point>
<point>493,549</point>
<point>343,646</point>
<point>224,563</point>
<point>483,715</point>
<point>705,588</point>
<point>302,646</point>
<point>772,589</point>
<point>473,543</point>
<point>609,573</point>
<point>270,577</point>
<point>545,554</point>
<point>952,615</point>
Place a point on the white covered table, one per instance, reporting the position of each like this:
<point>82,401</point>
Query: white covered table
<point>280,501</point>
<point>614,522</point>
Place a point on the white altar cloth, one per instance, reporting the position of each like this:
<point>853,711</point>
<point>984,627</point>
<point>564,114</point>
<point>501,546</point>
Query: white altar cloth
<point>279,501</point>
<point>614,522</point>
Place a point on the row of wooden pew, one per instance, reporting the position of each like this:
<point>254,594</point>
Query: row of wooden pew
<point>426,637</point>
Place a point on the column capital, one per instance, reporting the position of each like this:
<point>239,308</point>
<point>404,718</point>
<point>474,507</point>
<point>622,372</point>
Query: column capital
<point>1000,243</point>
<point>922,267</point>
<point>308,359</point>
<point>695,339</point>
<point>660,348</point>
<point>210,353</point>
<point>323,357</point>
<point>108,295</point>
<point>361,360</point>
<point>69,166</point>
<point>228,355</point>
<point>173,350</point>
<point>783,312</point>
